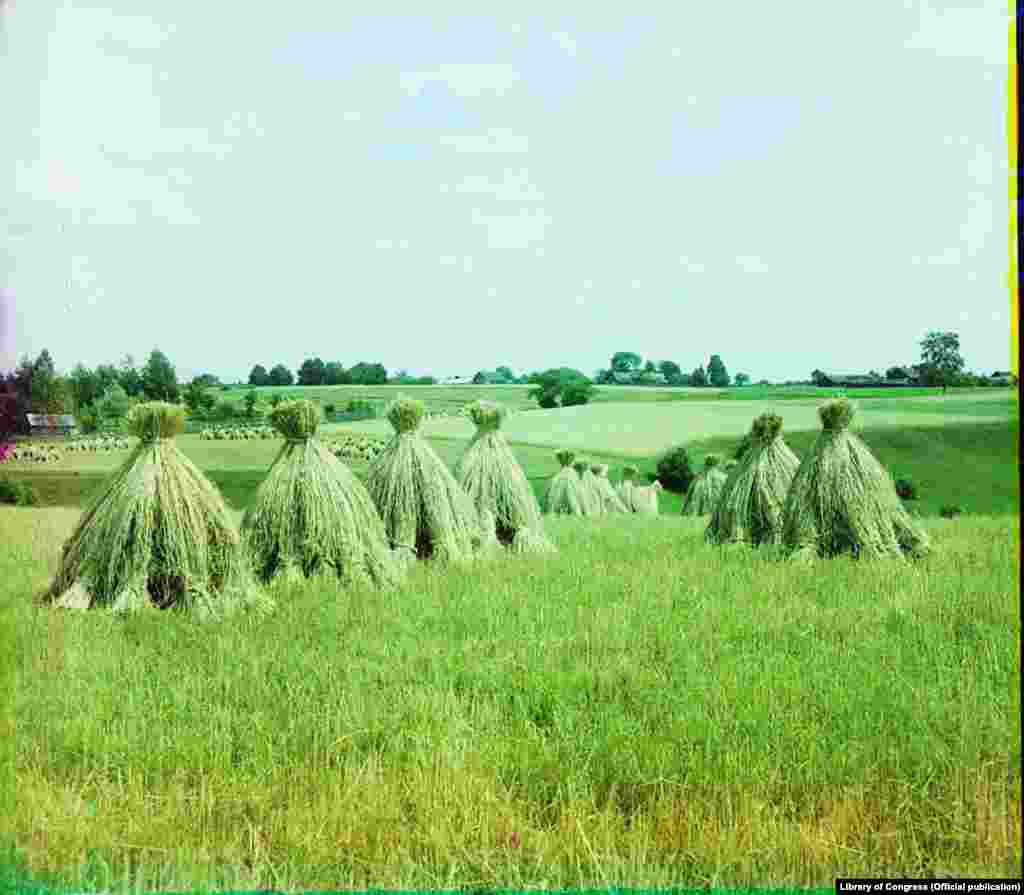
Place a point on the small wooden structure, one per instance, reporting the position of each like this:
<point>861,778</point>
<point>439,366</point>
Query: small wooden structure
<point>51,424</point>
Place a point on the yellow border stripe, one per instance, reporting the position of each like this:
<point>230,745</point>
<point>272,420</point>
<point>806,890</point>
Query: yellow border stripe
<point>1011,123</point>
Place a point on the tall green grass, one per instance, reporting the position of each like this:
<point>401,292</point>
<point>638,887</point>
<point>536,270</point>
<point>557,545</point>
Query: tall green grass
<point>642,710</point>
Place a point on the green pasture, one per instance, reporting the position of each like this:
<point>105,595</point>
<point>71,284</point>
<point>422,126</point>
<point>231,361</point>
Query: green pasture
<point>642,710</point>
<point>438,397</point>
<point>641,429</point>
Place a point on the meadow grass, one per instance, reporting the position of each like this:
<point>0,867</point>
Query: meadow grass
<point>640,429</point>
<point>517,396</point>
<point>643,710</point>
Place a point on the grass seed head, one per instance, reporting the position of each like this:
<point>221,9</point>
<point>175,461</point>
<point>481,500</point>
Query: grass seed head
<point>711,461</point>
<point>565,457</point>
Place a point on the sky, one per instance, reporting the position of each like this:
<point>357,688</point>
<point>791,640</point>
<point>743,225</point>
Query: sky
<point>791,186</point>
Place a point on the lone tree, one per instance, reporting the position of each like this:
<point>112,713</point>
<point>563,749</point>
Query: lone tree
<point>718,376</point>
<point>940,358</point>
<point>159,381</point>
<point>47,392</point>
<point>311,372</point>
<point>626,362</point>
<point>259,376</point>
<point>742,379</point>
<point>281,375</point>
<point>670,370</point>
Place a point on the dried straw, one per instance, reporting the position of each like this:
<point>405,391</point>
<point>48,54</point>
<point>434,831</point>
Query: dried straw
<point>311,515</point>
<point>158,535</point>
<point>749,509</point>
<point>593,502</point>
<point>842,499</point>
<point>492,477</point>
<point>706,489</point>
<point>645,498</point>
<point>627,486</point>
<point>609,496</point>
<point>425,511</point>
<point>564,494</point>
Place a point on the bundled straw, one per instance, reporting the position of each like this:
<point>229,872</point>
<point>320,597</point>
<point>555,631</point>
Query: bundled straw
<point>610,498</point>
<point>159,535</point>
<point>842,499</point>
<point>749,508</point>
<point>426,512</point>
<point>311,515</point>
<point>593,503</point>
<point>492,477</point>
<point>706,489</point>
<point>645,498</point>
<point>627,486</point>
<point>564,494</point>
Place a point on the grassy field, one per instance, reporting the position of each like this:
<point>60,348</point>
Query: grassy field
<point>641,429</point>
<point>642,710</point>
<point>516,396</point>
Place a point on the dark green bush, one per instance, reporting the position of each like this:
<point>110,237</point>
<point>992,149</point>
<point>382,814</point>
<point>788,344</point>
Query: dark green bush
<point>329,409</point>
<point>949,511</point>
<point>906,489</point>
<point>18,493</point>
<point>674,470</point>
<point>9,491</point>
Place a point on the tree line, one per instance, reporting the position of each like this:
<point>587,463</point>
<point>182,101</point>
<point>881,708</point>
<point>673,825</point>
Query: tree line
<point>631,367</point>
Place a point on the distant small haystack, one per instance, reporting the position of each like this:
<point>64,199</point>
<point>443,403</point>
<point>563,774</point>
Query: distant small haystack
<point>706,489</point>
<point>843,501</point>
<point>609,496</point>
<point>311,515</point>
<point>159,535</point>
<point>749,508</point>
<point>492,477</point>
<point>564,495</point>
<point>627,485</point>
<point>426,513</point>
<point>593,504</point>
<point>645,498</point>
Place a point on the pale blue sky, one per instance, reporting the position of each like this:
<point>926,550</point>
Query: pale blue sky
<point>450,191</point>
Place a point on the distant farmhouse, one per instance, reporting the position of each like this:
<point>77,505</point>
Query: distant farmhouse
<point>457,380</point>
<point>51,423</point>
<point>639,378</point>
<point>908,376</point>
